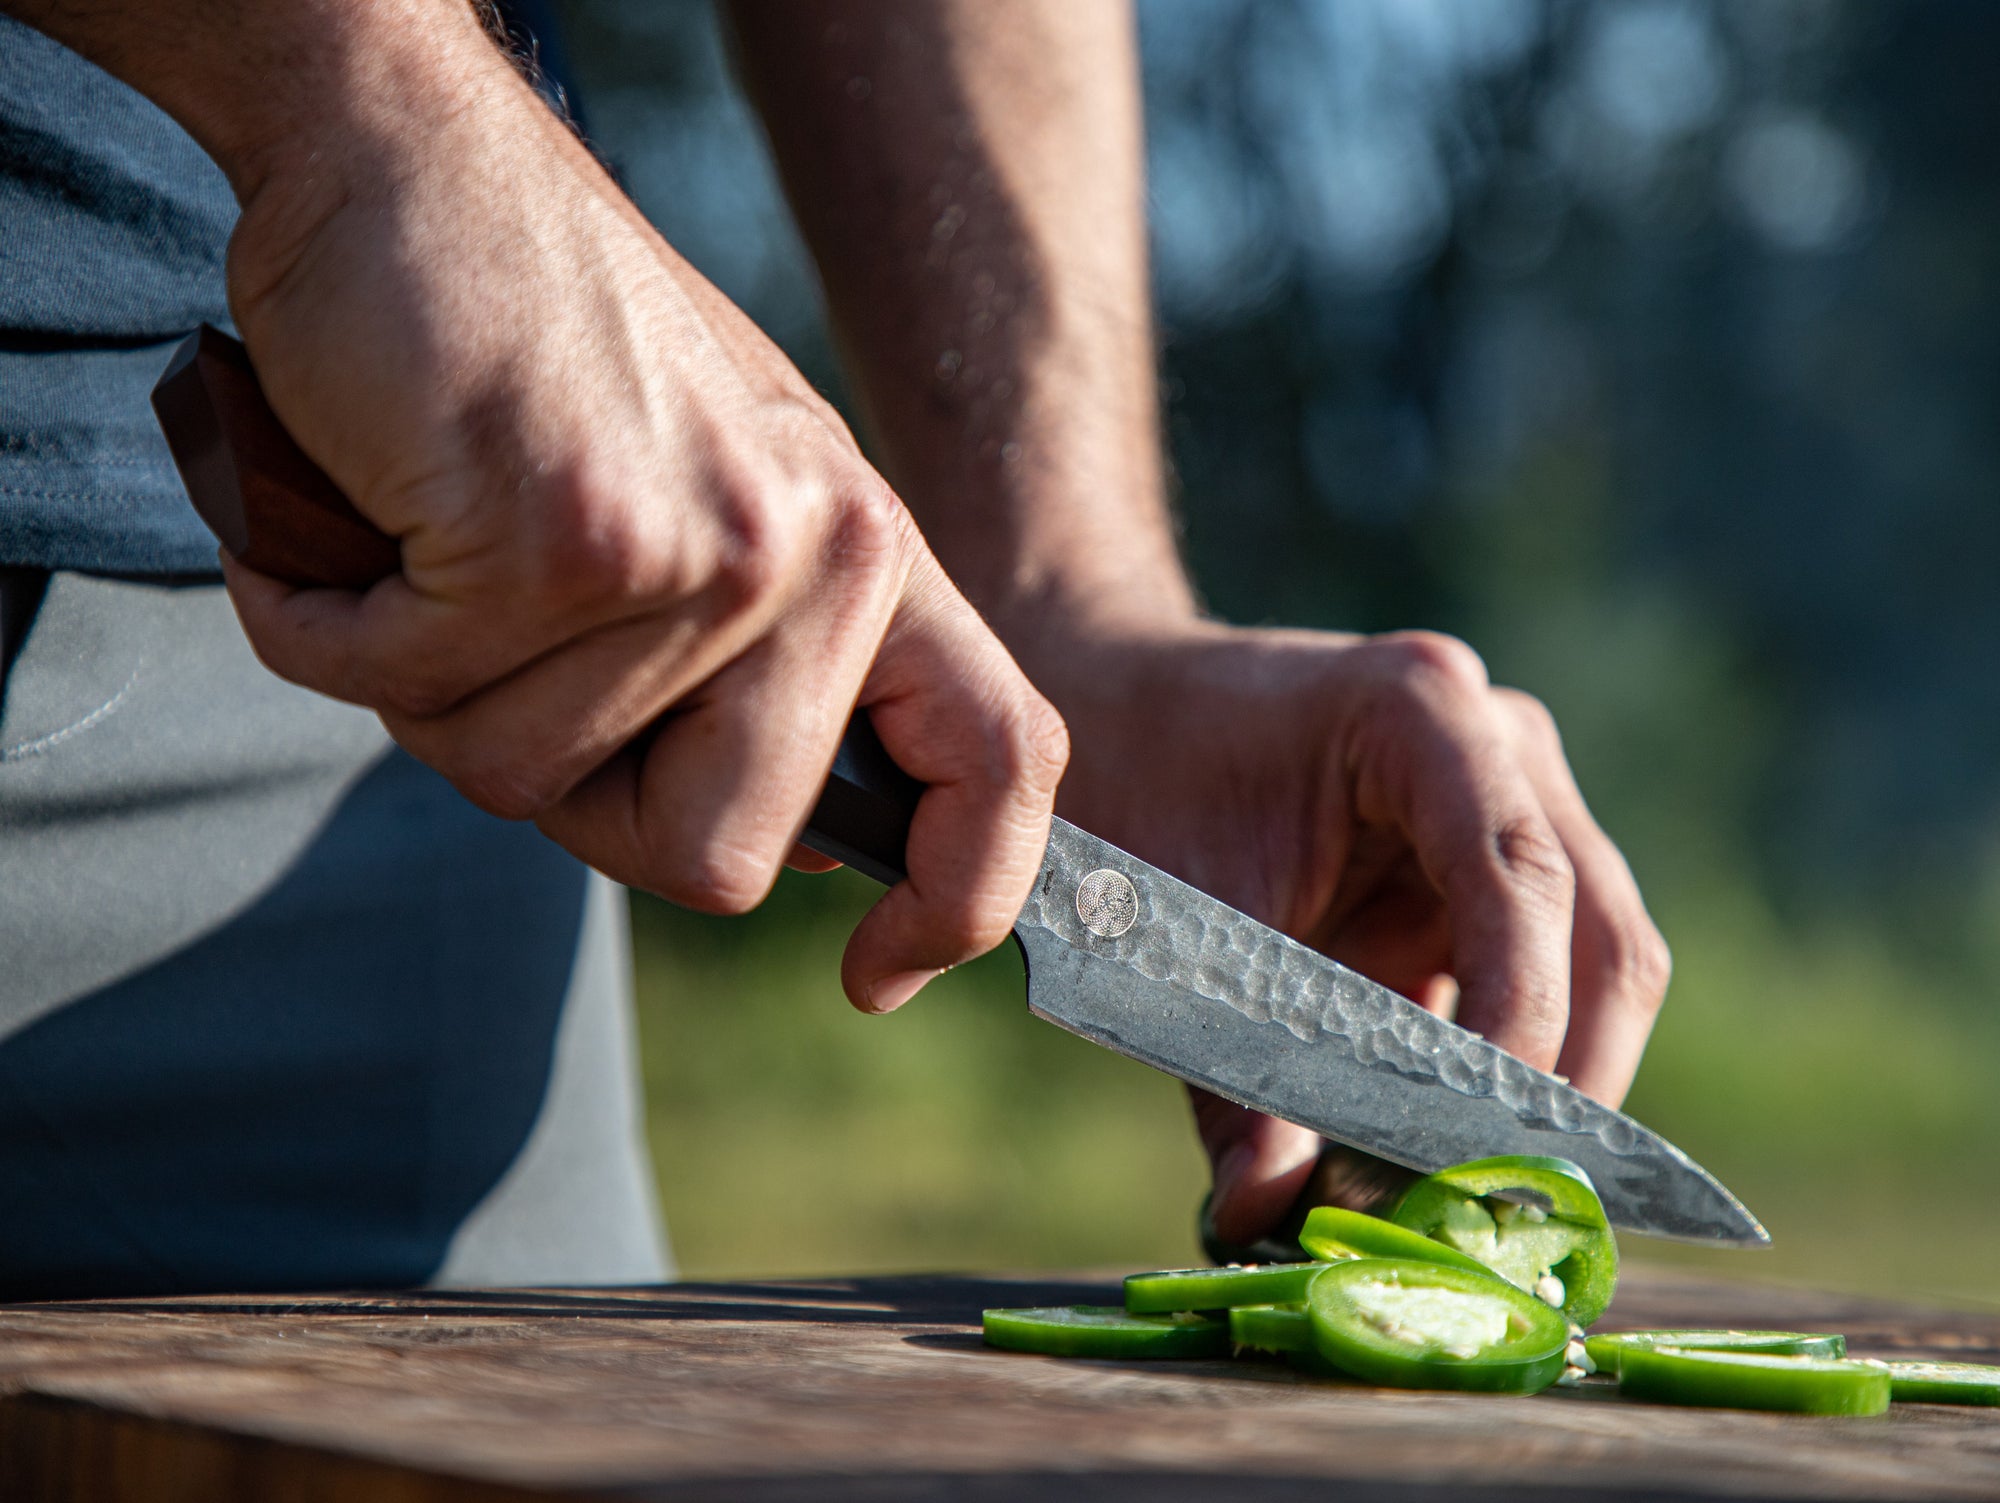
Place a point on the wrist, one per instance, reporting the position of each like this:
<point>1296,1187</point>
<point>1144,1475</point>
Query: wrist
<point>366,90</point>
<point>1056,552</point>
<point>1106,664</point>
<point>286,89</point>
<point>1064,632</point>
<point>1041,486</point>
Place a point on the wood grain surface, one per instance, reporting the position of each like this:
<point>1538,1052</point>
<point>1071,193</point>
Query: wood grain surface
<point>879,1388</point>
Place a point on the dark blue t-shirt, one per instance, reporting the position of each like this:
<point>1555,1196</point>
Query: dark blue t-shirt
<point>113,225</point>
<point>113,228</point>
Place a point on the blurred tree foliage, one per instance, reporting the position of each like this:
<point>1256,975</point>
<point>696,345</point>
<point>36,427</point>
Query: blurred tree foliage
<point>1643,343</point>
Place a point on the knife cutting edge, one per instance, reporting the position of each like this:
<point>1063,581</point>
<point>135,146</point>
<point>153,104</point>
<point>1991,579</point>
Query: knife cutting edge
<point>1117,951</point>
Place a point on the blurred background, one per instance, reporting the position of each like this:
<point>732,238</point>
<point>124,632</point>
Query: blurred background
<point>1647,345</point>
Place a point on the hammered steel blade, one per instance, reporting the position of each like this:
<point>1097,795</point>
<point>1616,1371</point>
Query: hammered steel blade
<point>1128,957</point>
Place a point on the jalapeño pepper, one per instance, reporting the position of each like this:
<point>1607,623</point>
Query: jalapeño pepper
<point>1944,1383</point>
<point>1537,1222</point>
<point>1219,1288</point>
<point>1332,1234</point>
<point>1271,1328</point>
<point>1104,1331</point>
<point>1608,1349</point>
<point>1754,1380</point>
<point>1411,1324</point>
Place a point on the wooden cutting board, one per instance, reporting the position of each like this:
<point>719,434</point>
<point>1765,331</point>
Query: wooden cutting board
<point>879,1388</point>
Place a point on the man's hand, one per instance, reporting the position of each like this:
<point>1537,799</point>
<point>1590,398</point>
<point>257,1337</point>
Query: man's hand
<point>646,574</point>
<point>1379,800</point>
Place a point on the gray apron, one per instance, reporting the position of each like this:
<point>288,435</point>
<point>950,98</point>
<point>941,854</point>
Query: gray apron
<point>278,1009</point>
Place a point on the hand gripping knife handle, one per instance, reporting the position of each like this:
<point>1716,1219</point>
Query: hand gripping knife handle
<point>276,511</point>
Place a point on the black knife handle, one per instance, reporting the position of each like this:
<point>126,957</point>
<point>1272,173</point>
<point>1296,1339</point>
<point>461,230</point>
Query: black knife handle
<point>863,815</point>
<point>277,511</point>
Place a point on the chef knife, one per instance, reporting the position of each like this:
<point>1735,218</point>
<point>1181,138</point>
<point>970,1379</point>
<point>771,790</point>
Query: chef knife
<point>1117,951</point>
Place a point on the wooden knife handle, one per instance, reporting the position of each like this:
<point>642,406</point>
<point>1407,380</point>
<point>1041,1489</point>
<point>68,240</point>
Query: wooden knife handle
<point>277,511</point>
<point>272,507</point>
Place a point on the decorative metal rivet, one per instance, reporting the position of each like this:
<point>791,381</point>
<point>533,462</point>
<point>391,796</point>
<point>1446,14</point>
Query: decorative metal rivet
<point>1106,903</point>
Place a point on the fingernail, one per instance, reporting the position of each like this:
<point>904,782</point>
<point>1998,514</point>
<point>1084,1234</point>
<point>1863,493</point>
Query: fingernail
<point>891,992</point>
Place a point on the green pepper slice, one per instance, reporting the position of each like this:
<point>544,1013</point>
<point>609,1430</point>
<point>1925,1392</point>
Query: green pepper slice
<point>1333,1235</point>
<point>1943,1383</point>
<point>1409,1324</point>
<point>1271,1328</point>
<point>1103,1331</point>
<point>1608,1348</point>
<point>1754,1380</point>
<point>1537,1222</point>
<point>1219,1288</point>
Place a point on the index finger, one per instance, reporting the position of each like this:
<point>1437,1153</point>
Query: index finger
<point>956,713</point>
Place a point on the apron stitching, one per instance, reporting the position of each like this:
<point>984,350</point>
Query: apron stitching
<point>25,749</point>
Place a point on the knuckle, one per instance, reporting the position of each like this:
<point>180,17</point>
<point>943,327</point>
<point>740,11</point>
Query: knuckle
<point>1639,959</point>
<point>758,552</point>
<point>507,790</point>
<point>1434,653</point>
<point>866,547</point>
<point>721,878</point>
<point>1545,1020</point>
<point>413,694</point>
<point>1534,716</point>
<point>607,538</point>
<point>596,541</point>
<point>1531,858</point>
<point>870,529</point>
<point>1039,746</point>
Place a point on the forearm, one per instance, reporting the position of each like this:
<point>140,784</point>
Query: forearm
<point>970,178</point>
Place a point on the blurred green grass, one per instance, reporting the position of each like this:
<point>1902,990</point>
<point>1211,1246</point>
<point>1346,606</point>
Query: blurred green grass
<point>1842,1089</point>
<point>794,1135</point>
